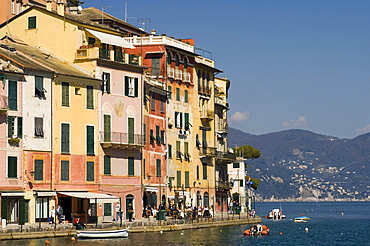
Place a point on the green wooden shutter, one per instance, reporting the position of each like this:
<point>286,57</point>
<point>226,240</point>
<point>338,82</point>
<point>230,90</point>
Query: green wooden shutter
<point>107,83</point>
<point>10,126</point>
<point>22,211</point>
<point>178,153</point>
<point>157,134</point>
<point>39,86</point>
<point>127,85</point>
<point>90,140</point>
<point>65,138</point>
<point>178,94</point>
<point>169,88</point>
<point>39,170</point>
<point>32,22</point>
<point>131,166</point>
<point>158,167</point>
<point>89,97</point>
<point>107,165</point>
<point>107,209</point>
<point>187,183</point>
<point>186,121</point>
<point>186,148</point>
<point>4,208</point>
<point>20,128</point>
<point>131,130</point>
<point>64,171</point>
<point>186,96</point>
<point>178,178</point>
<point>12,167</point>
<point>136,87</point>
<point>90,171</point>
<point>107,128</point>
<point>236,165</point>
<point>65,94</point>
<point>169,151</point>
<point>144,133</point>
<point>12,95</point>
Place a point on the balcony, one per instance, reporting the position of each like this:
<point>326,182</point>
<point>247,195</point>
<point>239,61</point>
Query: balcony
<point>207,152</point>
<point>204,90</point>
<point>207,115</point>
<point>225,157</point>
<point>178,74</point>
<point>121,140</point>
<point>223,186</point>
<point>222,126</point>
<point>3,104</point>
<point>187,77</point>
<point>220,101</point>
<point>93,53</point>
<point>170,72</point>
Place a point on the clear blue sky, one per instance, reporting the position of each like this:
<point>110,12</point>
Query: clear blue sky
<point>292,64</point>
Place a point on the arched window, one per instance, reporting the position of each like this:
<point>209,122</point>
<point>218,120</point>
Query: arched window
<point>185,62</point>
<point>199,78</point>
<point>177,60</point>
<point>206,199</point>
<point>169,58</point>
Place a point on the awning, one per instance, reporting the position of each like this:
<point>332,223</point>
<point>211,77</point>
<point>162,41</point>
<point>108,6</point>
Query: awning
<point>100,198</point>
<point>12,193</point>
<point>111,39</point>
<point>151,189</point>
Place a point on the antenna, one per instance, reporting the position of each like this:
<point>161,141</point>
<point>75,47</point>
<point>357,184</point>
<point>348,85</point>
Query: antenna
<point>143,22</point>
<point>103,8</point>
<point>126,12</point>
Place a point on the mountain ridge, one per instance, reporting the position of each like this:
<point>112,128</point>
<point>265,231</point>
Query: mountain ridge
<point>302,165</point>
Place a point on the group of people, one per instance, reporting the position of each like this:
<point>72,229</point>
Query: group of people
<point>233,206</point>
<point>56,213</point>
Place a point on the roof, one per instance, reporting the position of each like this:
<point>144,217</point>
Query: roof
<point>28,57</point>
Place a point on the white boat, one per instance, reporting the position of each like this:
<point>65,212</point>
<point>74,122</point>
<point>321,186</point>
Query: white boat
<point>276,214</point>
<point>302,219</point>
<point>103,234</point>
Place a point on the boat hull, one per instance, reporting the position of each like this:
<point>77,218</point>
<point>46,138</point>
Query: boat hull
<point>103,234</point>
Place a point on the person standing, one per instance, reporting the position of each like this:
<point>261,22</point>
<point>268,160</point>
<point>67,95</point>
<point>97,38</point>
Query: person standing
<point>118,212</point>
<point>59,214</point>
<point>130,211</point>
<point>52,215</point>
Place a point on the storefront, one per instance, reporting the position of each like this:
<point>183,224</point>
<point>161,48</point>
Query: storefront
<point>12,204</point>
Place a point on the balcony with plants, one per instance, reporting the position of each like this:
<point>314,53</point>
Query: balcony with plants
<point>121,140</point>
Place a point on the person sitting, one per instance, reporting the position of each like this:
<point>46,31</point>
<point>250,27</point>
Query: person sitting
<point>78,224</point>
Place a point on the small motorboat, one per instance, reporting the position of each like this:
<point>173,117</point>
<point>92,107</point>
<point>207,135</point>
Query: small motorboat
<point>257,230</point>
<point>276,214</point>
<point>103,234</point>
<point>302,219</point>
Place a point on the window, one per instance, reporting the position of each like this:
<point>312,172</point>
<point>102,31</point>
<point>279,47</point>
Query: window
<point>64,167</point>
<point>187,183</point>
<point>107,209</point>
<point>106,83</point>
<point>158,167</point>
<point>12,130</point>
<point>39,170</point>
<point>169,88</point>
<point>39,87</point>
<point>236,165</point>
<point>204,170</point>
<point>178,94</point>
<point>169,58</point>
<point>178,147</point>
<point>186,96</point>
<point>198,173</point>
<point>131,86</point>
<point>162,104</point>
<point>131,166</point>
<point>162,136</point>
<point>32,22</point>
<point>156,66</point>
<point>241,183</point>
<point>178,120</point>
<point>170,151</point>
<point>157,133</point>
<point>65,94</point>
<point>185,62</point>
<point>152,102</point>
<point>131,130</point>
<point>12,95</point>
<point>178,178</point>
<point>107,165</point>
<point>186,151</point>
<point>90,171</point>
<point>90,140</point>
<point>12,167</point>
<point>91,40</point>
<point>177,60</point>
<point>65,138</point>
<point>39,127</point>
<point>186,116</point>
<point>107,128</point>
<point>144,133</point>
<point>89,97</point>
<point>152,138</point>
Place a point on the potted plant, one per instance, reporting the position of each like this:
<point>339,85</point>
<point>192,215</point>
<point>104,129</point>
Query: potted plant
<point>14,141</point>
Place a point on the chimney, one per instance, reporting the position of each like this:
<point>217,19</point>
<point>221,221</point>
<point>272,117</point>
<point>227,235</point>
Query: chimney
<point>48,5</point>
<point>60,8</point>
<point>154,32</point>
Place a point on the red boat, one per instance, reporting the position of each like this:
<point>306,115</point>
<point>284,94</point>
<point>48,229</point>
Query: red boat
<point>257,230</point>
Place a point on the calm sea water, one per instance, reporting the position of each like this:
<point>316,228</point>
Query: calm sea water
<point>332,223</point>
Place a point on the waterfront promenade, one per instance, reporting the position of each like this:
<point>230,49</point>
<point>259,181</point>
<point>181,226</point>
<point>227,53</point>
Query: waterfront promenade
<point>46,230</point>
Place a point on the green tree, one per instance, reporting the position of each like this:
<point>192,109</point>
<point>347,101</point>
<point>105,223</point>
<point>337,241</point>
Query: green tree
<point>247,151</point>
<point>74,3</point>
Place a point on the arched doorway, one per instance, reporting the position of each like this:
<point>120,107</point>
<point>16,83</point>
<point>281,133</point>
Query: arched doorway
<point>206,199</point>
<point>129,200</point>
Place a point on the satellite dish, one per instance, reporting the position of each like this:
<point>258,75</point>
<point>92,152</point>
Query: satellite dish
<point>79,8</point>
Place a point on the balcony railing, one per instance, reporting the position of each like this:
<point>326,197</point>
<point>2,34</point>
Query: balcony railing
<point>178,74</point>
<point>4,107</point>
<point>186,78</point>
<point>225,157</point>
<point>221,101</point>
<point>121,140</point>
<point>223,186</point>
<point>204,90</point>
<point>207,114</point>
<point>222,126</point>
<point>170,72</point>
<point>207,151</point>
<point>106,54</point>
